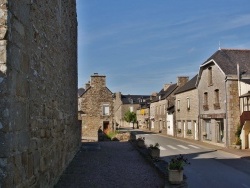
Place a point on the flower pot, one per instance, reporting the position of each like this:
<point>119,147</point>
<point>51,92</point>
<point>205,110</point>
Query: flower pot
<point>175,176</point>
<point>154,152</point>
<point>140,143</point>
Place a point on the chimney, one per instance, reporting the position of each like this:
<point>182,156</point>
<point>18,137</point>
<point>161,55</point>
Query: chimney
<point>182,80</point>
<point>87,85</point>
<point>166,86</point>
<point>118,95</point>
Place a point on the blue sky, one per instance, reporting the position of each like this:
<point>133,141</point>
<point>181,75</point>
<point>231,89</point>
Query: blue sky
<point>139,45</point>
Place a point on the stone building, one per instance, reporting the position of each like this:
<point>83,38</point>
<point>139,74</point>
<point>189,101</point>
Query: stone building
<point>218,94</point>
<point>162,111</point>
<point>187,110</point>
<point>123,103</point>
<point>39,131</point>
<point>96,107</point>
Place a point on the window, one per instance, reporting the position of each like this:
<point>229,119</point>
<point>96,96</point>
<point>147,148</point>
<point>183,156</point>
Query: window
<point>210,76</point>
<point>105,109</point>
<point>179,127</point>
<point>216,99</point>
<point>189,127</point>
<point>188,103</point>
<point>205,101</point>
<point>178,105</point>
<point>131,108</point>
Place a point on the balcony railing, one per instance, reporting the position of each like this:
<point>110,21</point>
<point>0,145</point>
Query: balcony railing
<point>244,117</point>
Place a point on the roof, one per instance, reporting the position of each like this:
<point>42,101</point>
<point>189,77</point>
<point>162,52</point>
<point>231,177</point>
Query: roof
<point>246,94</point>
<point>227,60</point>
<point>164,94</point>
<point>133,99</point>
<point>80,91</point>
<point>190,85</point>
<point>247,81</point>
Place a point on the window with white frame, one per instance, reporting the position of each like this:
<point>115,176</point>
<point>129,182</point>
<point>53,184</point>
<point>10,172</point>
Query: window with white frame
<point>178,105</point>
<point>105,109</point>
<point>188,103</point>
<point>131,108</point>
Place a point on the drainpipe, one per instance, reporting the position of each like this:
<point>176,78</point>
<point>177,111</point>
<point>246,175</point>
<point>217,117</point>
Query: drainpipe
<point>227,136</point>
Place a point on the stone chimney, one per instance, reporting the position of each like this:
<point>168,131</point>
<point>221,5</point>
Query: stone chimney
<point>118,95</point>
<point>182,80</point>
<point>166,86</point>
<point>98,81</point>
<point>87,85</point>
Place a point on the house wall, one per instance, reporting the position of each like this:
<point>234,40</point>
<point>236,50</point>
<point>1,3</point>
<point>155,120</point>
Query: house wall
<point>212,114</point>
<point>160,116</point>
<point>233,109</point>
<point>228,111</point>
<point>39,131</point>
<point>92,102</point>
<point>185,115</point>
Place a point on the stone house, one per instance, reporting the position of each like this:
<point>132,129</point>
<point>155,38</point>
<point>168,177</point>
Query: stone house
<point>218,94</point>
<point>95,107</point>
<point>187,110</point>
<point>39,130</point>
<point>162,108</point>
<point>123,103</point>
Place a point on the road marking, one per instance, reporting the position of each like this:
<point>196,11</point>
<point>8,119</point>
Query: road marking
<point>184,147</point>
<point>172,147</point>
<point>162,148</point>
<point>194,146</point>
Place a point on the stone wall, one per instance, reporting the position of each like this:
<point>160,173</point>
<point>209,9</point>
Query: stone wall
<point>39,131</point>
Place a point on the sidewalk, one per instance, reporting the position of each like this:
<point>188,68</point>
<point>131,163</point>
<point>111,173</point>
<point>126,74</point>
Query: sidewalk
<point>244,154</point>
<point>109,164</point>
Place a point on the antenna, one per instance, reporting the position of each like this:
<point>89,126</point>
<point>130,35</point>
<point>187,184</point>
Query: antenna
<point>219,46</point>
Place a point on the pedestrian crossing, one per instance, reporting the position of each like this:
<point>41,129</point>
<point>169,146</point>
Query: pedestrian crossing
<point>179,147</point>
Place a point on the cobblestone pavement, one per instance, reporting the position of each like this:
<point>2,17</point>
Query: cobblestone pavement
<point>109,164</point>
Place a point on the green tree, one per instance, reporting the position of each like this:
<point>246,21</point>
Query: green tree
<point>130,117</point>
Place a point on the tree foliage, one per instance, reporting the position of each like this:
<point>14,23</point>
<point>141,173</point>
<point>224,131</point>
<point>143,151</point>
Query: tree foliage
<point>130,117</point>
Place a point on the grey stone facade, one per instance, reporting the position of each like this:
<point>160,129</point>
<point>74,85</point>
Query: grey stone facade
<point>39,131</point>
<point>96,107</point>
<point>187,116</point>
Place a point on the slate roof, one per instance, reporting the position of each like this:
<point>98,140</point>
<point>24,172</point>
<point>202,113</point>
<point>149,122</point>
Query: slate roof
<point>247,81</point>
<point>227,60</point>
<point>165,94</point>
<point>80,91</point>
<point>190,85</point>
<point>135,99</point>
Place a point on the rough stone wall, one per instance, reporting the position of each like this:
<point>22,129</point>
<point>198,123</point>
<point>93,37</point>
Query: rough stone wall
<point>233,109</point>
<point>92,102</point>
<point>39,131</point>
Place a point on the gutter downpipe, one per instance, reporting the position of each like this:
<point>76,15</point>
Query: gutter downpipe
<point>227,136</point>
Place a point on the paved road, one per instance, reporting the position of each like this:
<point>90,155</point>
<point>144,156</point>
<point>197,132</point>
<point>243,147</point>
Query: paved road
<point>209,167</point>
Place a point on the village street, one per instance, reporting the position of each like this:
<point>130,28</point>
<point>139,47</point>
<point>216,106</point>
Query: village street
<point>210,166</point>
